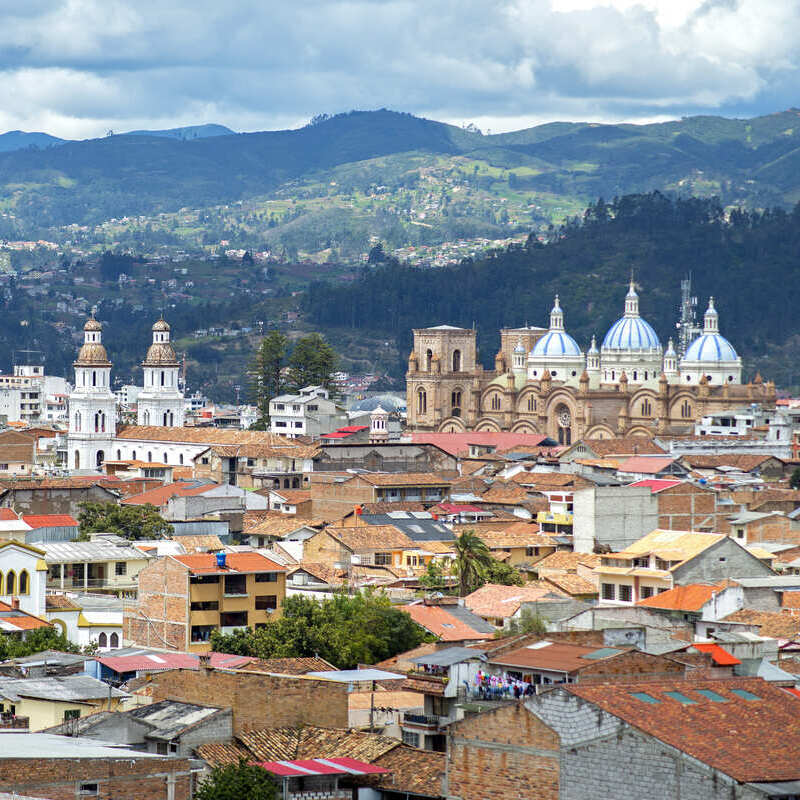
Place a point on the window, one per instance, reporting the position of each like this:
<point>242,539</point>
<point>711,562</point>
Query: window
<point>531,403</point>
<point>383,559</point>
<point>233,619</point>
<point>422,402</point>
<point>88,789</point>
<point>121,568</point>
<point>205,605</point>
<point>202,633</point>
<point>625,593</point>
<point>113,640</point>
<point>455,403</point>
<point>72,713</point>
<point>608,591</point>
<point>495,402</point>
<point>204,579</point>
<point>647,591</point>
<point>744,694</point>
<point>428,359</point>
<point>280,424</point>
<point>531,551</point>
<point>251,462</point>
<point>686,409</point>
<point>266,602</point>
<point>456,361</point>
<point>3,467</point>
<point>298,424</point>
<point>644,697</point>
<point>204,460</point>
<point>647,408</point>
<point>235,584</point>
<point>266,577</point>
<point>410,738</point>
<point>713,696</point>
<point>24,582</point>
<point>740,533</point>
<point>102,640</point>
<point>11,581</point>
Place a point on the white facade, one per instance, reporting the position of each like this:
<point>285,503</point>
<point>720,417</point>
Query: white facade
<point>710,356</point>
<point>556,353</point>
<point>28,395</point>
<point>160,402</point>
<point>309,413</point>
<point>92,404</point>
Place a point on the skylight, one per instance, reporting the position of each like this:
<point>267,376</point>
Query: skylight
<point>717,698</point>
<point>681,698</point>
<point>745,695</point>
<point>644,697</point>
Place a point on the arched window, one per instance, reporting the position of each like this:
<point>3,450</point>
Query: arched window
<point>119,455</point>
<point>133,455</point>
<point>11,582</point>
<point>150,456</point>
<point>613,375</point>
<point>686,410</point>
<point>165,459</point>
<point>102,422</point>
<point>428,359</point>
<point>94,378</point>
<point>455,403</point>
<point>97,422</point>
<point>564,423</point>
<point>146,417</point>
<point>645,374</point>
<point>114,640</point>
<point>646,408</point>
<point>77,459</point>
<point>77,421</point>
<point>162,377</point>
<point>1,583</point>
<point>102,640</point>
<point>456,361</point>
<point>24,582</point>
<point>180,459</point>
<point>166,419</point>
<point>100,458</point>
<point>422,401</point>
<point>635,375</point>
<point>495,402</point>
<point>531,403</point>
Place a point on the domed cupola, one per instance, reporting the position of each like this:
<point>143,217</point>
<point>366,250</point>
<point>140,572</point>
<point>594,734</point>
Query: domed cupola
<point>631,346</point>
<point>711,355</point>
<point>160,353</point>
<point>160,402</point>
<point>556,353</point>
<point>92,352</point>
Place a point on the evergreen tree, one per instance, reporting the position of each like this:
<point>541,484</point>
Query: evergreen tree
<point>132,522</point>
<point>265,374</point>
<point>312,363</point>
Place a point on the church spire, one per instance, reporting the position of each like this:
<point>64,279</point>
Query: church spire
<point>631,300</point>
<point>556,317</point>
<point>711,318</point>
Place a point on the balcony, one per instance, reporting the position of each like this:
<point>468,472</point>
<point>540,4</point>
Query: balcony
<point>425,722</point>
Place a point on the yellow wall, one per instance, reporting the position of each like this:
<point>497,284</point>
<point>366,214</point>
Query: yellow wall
<point>47,713</point>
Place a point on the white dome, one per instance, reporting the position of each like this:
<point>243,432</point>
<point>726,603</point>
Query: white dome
<point>710,347</point>
<point>556,343</point>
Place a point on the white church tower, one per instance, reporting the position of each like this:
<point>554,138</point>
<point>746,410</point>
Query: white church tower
<point>92,405</point>
<point>160,402</point>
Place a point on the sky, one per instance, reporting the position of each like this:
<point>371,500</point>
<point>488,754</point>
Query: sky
<point>78,68</point>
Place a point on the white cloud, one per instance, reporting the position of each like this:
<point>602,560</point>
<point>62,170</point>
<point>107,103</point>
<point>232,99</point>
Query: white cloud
<point>78,67</point>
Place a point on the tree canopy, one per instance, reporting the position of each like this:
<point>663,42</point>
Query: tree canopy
<point>240,781</point>
<point>473,560</point>
<point>132,522</point>
<point>34,642</point>
<point>345,630</point>
<point>266,374</point>
<point>312,363</point>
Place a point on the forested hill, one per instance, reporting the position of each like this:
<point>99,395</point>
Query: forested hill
<point>750,264</point>
<point>753,162</point>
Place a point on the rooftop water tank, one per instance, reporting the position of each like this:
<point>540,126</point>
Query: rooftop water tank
<point>220,559</point>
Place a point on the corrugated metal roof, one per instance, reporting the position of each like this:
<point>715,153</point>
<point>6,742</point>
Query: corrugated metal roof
<point>63,688</point>
<point>58,552</point>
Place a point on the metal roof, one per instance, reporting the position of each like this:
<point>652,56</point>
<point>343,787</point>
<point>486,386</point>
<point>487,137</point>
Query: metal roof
<point>58,552</point>
<point>48,745</point>
<point>351,675</point>
<point>449,656</point>
<point>770,581</point>
<point>418,528</point>
<point>61,688</point>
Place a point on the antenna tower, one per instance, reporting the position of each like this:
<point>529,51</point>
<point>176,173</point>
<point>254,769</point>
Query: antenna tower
<point>688,329</point>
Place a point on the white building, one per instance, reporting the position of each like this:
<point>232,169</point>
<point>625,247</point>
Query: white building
<point>92,404</point>
<point>309,413</point>
<point>160,402</point>
<point>28,395</point>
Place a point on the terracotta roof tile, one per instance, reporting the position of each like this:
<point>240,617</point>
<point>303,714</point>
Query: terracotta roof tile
<point>742,461</point>
<point>784,624</point>
<point>545,481</point>
<point>404,479</point>
<point>557,656</point>
<point>206,563</point>
<point>458,444</point>
<point>691,597</point>
<point>568,561</point>
<point>373,537</point>
<point>290,666</point>
<point>630,446</point>
<point>494,601</point>
<point>50,520</point>
<point>159,496</point>
<point>440,623</point>
<point>413,771</point>
<point>570,584</point>
<point>203,542</point>
<point>749,740</point>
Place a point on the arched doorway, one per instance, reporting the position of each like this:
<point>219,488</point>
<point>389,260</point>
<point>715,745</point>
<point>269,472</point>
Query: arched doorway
<point>101,457</point>
<point>564,424</point>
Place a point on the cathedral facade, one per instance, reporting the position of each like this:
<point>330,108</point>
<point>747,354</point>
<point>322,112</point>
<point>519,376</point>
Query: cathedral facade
<point>93,406</point>
<point>544,383</point>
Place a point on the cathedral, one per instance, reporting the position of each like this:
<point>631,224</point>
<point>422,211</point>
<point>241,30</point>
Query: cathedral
<point>93,406</point>
<point>544,383</point>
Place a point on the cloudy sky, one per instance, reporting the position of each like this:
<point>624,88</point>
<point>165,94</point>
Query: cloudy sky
<point>76,68</point>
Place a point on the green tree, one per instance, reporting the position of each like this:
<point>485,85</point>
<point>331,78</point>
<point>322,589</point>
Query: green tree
<point>240,781</point>
<point>265,374</point>
<point>345,630</point>
<point>37,640</point>
<point>312,363</point>
<point>529,622</point>
<point>434,578</point>
<point>794,481</point>
<point>132,522</point>
<point>472,562</point>
<point>500,572</point>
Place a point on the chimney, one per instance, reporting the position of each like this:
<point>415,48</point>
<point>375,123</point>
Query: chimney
<point>15,602</point>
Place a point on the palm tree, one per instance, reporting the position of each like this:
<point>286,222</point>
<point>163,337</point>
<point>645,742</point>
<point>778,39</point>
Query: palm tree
<point>472,561</point>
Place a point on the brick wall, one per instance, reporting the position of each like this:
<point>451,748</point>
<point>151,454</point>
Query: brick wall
<point>687,507</point>
<point>331,500</point>
<point>324,549</point>
<point>160,616</point>
<point>503,754</point>
<point>258,700</point>
<point>631,666</point>
<point>117,779</point>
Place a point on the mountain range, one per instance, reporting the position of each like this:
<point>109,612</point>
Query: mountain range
<point>51,182</point>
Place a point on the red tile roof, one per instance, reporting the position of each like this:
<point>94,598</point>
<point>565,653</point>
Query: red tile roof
<point>656,485</point>
<point>718,654</point>
<point>457,444</point>
<point>7,514</point>
<point>50,521</point>
<point>554,656</point>
<point>747,739</point>
<point>152,662</point>
<point>691,597</point>
<point>206,563</point>
<point>442,624</point>
<point>159,496</point>
<point>649,465</point>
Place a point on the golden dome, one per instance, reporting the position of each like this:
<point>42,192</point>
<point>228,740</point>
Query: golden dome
<point>160,354</point>
<point>92,325</point>
<point>161,325</point>
<point>92,354</point>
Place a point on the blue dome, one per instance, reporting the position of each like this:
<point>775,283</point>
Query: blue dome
<point>556,343</point>
<point>631,333</point>
<point>710,347</point>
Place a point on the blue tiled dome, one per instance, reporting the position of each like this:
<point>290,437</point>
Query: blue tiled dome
<point>556,343</point>
<point>710,347</point>
<point>631,333</point>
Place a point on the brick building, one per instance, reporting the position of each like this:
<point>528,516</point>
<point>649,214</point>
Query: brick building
<point>63,768</point>
<point>183,599</point>
<point>257,699</point>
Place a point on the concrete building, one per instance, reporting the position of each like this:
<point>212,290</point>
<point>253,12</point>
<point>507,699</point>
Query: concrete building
<point>310,412</point>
